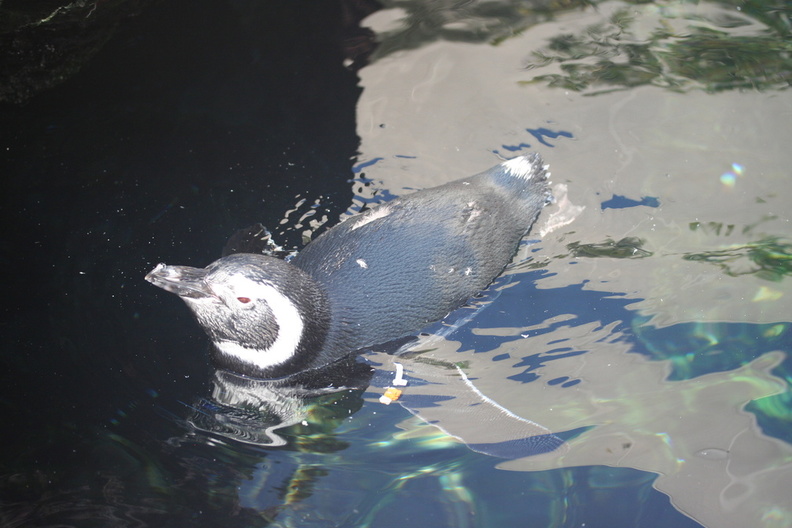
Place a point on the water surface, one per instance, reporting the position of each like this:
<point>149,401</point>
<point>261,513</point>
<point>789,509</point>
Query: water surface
<point>646,321</point>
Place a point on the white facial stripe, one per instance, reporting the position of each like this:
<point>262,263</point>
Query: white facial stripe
<point>521,166</point>
<point>290,326</point>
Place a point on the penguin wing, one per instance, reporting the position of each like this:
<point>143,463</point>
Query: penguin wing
<point>255,239</point>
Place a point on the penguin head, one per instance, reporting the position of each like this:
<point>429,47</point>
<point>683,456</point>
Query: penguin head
<point>264,316</point>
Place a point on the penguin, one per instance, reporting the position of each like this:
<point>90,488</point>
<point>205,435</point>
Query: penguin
<point>377,276</point>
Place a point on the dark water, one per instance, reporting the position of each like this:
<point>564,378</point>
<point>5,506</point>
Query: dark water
<point>196,119</point>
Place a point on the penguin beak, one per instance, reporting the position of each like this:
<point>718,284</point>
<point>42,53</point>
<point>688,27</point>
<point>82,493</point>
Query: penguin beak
<point>184,281</point>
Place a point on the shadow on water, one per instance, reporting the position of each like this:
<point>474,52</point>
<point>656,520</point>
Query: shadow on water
<point>193,119</point>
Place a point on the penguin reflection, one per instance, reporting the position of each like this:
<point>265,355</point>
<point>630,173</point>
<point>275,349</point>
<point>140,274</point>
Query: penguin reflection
<point>256,411</point>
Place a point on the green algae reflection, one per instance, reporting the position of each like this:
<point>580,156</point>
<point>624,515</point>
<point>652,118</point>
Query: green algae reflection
<point>769,259</point>
<point>688,47</point>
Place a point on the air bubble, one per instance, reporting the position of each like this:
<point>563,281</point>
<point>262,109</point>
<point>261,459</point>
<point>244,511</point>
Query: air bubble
<point>713,453</point>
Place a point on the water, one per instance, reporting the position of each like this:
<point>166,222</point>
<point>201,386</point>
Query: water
<point>646,322</point>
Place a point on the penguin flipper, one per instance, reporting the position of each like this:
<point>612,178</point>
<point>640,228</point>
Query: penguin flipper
<point>254,239</point>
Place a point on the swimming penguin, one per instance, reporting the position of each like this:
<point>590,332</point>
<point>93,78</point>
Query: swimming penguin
<point>375,277</point>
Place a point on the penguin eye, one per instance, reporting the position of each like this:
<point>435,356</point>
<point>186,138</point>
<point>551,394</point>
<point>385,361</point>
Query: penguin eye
<point>243,300</point>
